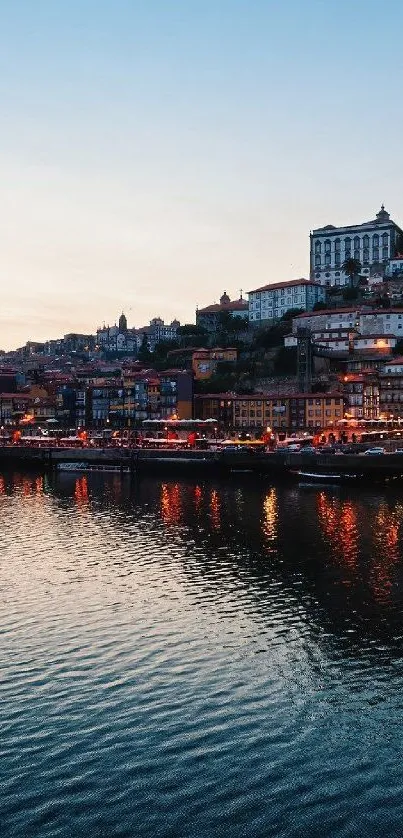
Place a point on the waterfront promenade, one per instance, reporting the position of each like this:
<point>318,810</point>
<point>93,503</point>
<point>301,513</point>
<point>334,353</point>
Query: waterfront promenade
<point>281,462</point>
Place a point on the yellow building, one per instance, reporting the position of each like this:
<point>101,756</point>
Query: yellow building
<point>291,413</point>
<point>206,361</point>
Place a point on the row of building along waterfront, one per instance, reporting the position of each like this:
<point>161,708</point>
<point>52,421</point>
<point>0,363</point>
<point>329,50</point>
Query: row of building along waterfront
<point>124,398</point>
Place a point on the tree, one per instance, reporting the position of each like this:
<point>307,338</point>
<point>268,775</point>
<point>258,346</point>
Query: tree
<point>144,353</point>
<point>272,336</point>
<point>350,294</point>
<point>230,323</point>
<point>292,312</point>
<point>285,362</point>
<point>398,349</point>
<point>160,356</point>
<point>192,335</point>
<point>319,306</point>
<point>352,267</point>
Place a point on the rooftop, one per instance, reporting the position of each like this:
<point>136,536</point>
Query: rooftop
<point>232,305</point>
<point>382,219</point>
<point>263,396</point>
<point>326,311</point>
<point>360,310</point>
<point>274,286</point>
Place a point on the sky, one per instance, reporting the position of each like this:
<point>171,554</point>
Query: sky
<point>155,153</point>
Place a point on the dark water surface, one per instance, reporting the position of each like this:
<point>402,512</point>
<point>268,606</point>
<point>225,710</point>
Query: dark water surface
<point>199,659</point>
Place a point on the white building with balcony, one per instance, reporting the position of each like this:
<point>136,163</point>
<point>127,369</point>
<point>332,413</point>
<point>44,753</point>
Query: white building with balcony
<point>373,243</point>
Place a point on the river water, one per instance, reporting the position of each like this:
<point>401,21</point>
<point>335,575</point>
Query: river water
<point>199,659</point>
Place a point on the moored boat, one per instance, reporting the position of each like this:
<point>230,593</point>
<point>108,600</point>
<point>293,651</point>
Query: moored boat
<point>97,467</point>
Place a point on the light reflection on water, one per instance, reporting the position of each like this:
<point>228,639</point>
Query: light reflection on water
<point>199,658</point>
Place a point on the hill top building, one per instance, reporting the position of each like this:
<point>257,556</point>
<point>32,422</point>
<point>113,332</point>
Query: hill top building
<point>373,243</point>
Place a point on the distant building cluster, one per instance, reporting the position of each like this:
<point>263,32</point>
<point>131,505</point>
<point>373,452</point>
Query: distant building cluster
<point>119,339</point>
<point>343,325</point>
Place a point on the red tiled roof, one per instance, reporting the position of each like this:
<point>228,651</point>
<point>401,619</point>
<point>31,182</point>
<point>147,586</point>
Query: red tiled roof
<point>335,330</point>
<point>331,340</point>
<point>233,305</point>
<point>368,337</point>
<point>263,396</point>
<point>18,396</point>
<point>327,311</point>
<point>382,312</point>
<point>290,284</point>
<point>173,372</point>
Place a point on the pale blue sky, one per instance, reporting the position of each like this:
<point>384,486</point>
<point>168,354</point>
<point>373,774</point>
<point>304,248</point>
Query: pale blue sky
<point>154,153</point>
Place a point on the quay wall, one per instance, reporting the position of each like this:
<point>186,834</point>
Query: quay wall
<point>224,462</point>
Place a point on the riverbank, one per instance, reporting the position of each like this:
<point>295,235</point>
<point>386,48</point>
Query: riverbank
<point>225,462</point>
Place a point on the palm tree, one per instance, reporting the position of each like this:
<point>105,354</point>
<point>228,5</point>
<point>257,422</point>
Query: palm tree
<point>352,267</point>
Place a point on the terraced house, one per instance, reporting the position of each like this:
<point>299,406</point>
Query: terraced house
<point>256,412</point>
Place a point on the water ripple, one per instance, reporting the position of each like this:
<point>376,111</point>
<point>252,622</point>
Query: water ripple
<point>184,659</point>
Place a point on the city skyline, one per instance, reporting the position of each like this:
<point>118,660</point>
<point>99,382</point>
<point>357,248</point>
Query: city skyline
<point>152,156</point>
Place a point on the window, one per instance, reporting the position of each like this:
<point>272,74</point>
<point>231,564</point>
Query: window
<point>318,247</point>
<point>327,246</point>
<point>347,247</point>
<point>337,245</point>
<point>384,239</point>
<point>375,240</point>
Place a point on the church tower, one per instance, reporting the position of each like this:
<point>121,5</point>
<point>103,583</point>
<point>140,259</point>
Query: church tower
<point>122,323</point>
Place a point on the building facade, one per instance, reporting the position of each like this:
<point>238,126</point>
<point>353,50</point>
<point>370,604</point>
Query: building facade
<point>391,390</point>
<point>361,395</point>
<point>257,412</point>
<point>270,302</point>
<point>205,362</point>
<point>126,402</point>
<point>209,317</point>
<point>373,243</point>
<point>365,321</point>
